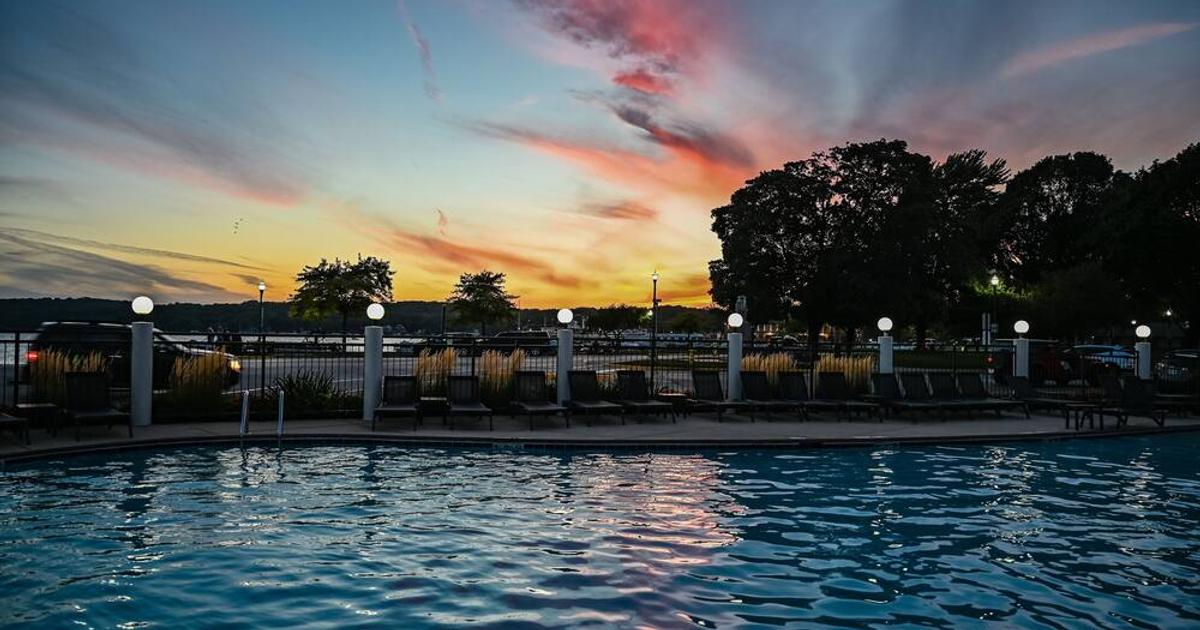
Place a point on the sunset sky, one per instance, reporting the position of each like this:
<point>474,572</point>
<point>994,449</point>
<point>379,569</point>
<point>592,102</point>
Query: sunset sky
<point>187,149</point>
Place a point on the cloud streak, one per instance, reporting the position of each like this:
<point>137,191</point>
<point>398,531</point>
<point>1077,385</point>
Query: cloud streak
<point>1057,54</point>
<point>46,237</point>
<point>423,50</point>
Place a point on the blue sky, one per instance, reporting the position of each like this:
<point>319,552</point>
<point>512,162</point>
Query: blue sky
<point>187,149</point>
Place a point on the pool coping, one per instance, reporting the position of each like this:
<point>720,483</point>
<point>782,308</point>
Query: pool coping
<point>535,444</point>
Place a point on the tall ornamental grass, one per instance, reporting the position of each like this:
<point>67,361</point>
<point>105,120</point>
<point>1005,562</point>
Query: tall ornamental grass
<point>48,375</point>
<point>772,364</point>
<point>496,372</point>
<point>433,368</point>
<point>857,368</point>
<point>197,382</point>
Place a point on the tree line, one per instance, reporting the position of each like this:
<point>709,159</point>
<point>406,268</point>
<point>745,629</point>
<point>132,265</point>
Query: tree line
<point>1077,247</point>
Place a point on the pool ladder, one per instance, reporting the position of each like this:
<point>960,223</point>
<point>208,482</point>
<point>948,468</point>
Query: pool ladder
<point>244,428</point>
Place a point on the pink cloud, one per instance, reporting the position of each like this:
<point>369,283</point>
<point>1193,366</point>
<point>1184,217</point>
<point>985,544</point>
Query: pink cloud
<point>1047,56</point>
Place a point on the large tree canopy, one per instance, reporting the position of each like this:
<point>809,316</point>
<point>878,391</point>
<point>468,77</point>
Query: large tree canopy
<point>480,298</point>
<point>341,287</point>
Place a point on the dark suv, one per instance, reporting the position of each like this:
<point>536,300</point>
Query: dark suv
<point>112,342</point>
<point>1048,361</point>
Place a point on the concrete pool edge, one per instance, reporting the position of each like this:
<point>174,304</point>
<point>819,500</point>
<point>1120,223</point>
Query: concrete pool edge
<point>535,444</point>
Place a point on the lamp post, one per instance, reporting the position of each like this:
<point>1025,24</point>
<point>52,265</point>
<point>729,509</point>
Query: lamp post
<point>372,362</point>
<point>653,330</point>
<point>262,341</point>
<point>1142,348</point>
<point>995,282</point>
<point>564,355</point>
<point>1021,349</point>
<point>141,363</point>
<point>733,369</point>
<point>886,364</point>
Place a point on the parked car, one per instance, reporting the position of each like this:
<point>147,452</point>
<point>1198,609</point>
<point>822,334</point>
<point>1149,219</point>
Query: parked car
<point>112,341</point>
<point>533,342</point>
<point>1091,361</point>
<point>1049,360</point>
<point>1179,371</point>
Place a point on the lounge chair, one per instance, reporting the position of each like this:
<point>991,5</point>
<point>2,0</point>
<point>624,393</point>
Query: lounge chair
<point>832,386</point>
<point>462,394</point>
<point>1137,399</point>
<point>709,394</point>
<point>970,385</point>
<point>531,397</point>
<point>756,392</point>
<point>399,399</point>
<point>19,426</point>
<point>793,386</point>
<point>89,402</point>
<point>888,395</point>
<point>1024,392</point>
<point>635,395</point>
<point>585,395</point>
<point>945,392</point>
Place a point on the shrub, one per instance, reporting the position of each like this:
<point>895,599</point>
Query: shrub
<point>309,391</point>
<point>48,377</point>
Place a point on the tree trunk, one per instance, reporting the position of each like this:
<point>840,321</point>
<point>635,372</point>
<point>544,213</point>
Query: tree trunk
<point>851,337</point>
<point>814,340</point>
<point>922,332</point>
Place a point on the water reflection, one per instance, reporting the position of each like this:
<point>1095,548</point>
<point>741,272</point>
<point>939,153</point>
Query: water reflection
<point>1098,534</point>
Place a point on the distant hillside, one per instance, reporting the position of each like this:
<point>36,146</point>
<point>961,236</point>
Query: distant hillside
<point>413,316</point>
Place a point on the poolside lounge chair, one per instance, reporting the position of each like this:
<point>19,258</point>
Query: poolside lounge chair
<point>19,426</point>
<point>531,397</point>
<point>462,394</point>
<point>635,395</point>
<point>832,386</point>
<point>916,390</point>
<point>888,395</point>
<point>399,399</point>
<point>1024,392</point>
<point>793,386</point>
<point>89,402</point>
<point>709,394</point>
<point>971,387</point>
<point>945,392</point>
<point>1137,399</point>
<point>585,395</point>
<point>756,392</point>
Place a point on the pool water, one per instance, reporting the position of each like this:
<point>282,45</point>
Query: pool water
<point>1076,534</point>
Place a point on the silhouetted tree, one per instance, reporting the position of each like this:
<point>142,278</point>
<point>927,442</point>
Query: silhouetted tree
<point>479,298</point>
<point>616,317</point>
<point>341,287</point>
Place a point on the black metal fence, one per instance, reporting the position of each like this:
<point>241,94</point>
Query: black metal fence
<point>201,375</point>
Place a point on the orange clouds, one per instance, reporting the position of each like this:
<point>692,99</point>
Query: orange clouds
<point>1045,57</point>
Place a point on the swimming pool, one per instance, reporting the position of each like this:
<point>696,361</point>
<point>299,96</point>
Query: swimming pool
<point>1080,533</point>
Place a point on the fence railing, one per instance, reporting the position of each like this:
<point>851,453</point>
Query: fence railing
<point>202,375</point>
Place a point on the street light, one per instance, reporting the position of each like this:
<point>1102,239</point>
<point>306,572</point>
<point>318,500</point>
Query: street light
<point>884,324</point>
<point>565,316</point>
<point>142,305</point>
<point>262,341</point>
<point>735,320</point>
<point>375,311</point>
<point>995,282</point>
<point>1021,327</point>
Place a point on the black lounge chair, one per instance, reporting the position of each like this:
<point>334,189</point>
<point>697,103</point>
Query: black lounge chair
<point>888,395</point>
<point>89,402</point>
<point>945,393</point>
<point>462,394</point>
<point>635,395</point>
<point>1023,391</point>
<point>756,392</point>
<point>971,387</point>
<point>19,426</point>
<point>585,395</point>
<point>531,398</point>
<point>399,399</point>
<point>793,386</point>
<point>832,386</point>
<point>707,393</point>
<point>916,390</point>
<point>1137,399</point>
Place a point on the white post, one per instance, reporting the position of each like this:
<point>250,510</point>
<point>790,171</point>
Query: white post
<point>1143,359</point>
<point>244,428</point>
<point>734,385</point>
<point>885,354</point>
<point>279,421</point>
<point>372,369</point>
<point>566,346</point>
<point>1021,357</point>
<point>141,373</point>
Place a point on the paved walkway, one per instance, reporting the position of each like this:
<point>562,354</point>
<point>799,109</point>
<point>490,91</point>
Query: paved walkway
<point>697,430</point>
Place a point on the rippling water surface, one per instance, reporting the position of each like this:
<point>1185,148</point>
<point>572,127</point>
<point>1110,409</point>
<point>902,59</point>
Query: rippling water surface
<point>1092,533</point>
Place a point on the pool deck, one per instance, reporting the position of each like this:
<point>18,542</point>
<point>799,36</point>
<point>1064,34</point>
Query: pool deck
<point>691,432</point>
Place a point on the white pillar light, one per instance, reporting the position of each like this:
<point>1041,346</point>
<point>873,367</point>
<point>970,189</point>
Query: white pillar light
<point>563,360</point>
<point>372,362</point>
<point>1021,327</point>
<point>142,305</point>
<point>735,320</point>
<point>734,371</point>
<point>141,364</point>
<point>1021,357</point>
<point>565,316</point>
<point>1142,348</point>
<point>886,361</point>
